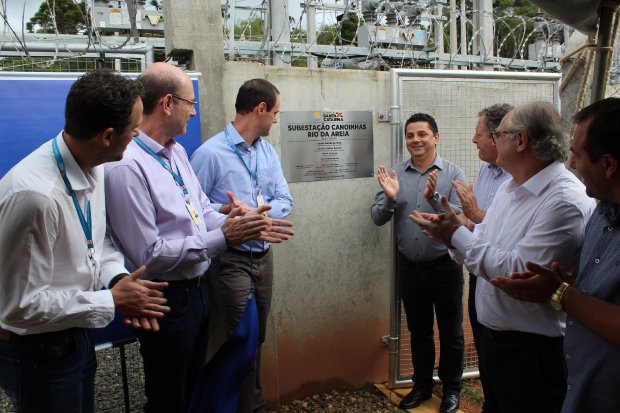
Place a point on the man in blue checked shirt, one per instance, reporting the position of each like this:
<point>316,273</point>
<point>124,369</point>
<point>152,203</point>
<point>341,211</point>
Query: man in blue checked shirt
<point>238,161</point>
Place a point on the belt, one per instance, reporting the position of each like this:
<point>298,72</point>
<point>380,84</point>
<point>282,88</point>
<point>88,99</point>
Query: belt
<point>522,337</point>
<point>429,264</point>
<point>195,282</point>
<point>253,254</point>
<point>41,338</point>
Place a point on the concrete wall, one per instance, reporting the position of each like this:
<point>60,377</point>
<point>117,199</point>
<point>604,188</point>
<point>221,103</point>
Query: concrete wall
<point>331,288</point>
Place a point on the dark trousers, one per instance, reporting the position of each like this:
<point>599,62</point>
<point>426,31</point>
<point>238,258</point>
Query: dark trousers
<point>230,283</point>
<point>476,327</point>
<point>428,288</point>
<point>522,372</point>
<point>49,372</point>
<point>174,355</point>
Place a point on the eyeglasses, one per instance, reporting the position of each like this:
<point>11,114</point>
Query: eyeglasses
<point>497,133</point>
<point>191,102</point>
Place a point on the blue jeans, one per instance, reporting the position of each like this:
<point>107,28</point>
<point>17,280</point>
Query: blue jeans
<point>49,372</point>
<point>427,290</point>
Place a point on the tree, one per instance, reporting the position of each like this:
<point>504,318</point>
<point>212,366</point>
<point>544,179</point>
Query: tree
<point>340,34</point>
<point>250,29</point>
<point>70,17</point>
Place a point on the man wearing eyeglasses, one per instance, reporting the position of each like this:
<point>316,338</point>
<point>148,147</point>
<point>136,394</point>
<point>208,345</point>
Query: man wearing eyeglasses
<point>476,199</point>
<point>538,215</point>
<point>158,214</point>
<point>591,300</point>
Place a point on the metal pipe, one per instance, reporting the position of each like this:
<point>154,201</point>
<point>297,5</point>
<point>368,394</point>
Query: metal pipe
<point>607,12</point>
<point>39,46</point>
<point>453,35</point>
<point>463,29</point>
<point>474,374</point>
<point>394,338</point>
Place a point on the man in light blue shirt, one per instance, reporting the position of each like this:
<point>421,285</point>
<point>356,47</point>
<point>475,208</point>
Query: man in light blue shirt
<point>477,199</point>
<point>238,161</point>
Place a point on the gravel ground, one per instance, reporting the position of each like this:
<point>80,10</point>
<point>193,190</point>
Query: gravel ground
<point>108,382</point>
<point>109,391</point>
<point>366,400</point>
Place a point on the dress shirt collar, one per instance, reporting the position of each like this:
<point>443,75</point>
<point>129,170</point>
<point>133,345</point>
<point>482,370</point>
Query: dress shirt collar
<point>536,184</point>
<point>165,150</point>
<point>79,180</point>
<point>236,138</point>
<point>610,211</point>
<point>496,170</point>
<point>438,162</point>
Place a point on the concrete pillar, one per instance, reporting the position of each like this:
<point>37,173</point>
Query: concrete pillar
<point>463,29</point>
<point>453,32</point>
<point>576,78</point>
<point>311,30</point>
<point>194,29</point>
<point>438,31</point>
<point>485,37</point>
<point>280,33</point>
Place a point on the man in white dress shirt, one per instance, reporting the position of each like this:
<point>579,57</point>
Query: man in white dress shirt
<point>538,215</point>
<point>54,256</point>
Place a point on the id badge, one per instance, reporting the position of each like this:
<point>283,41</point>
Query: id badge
<point>192,213</point>
<point>259,200</point>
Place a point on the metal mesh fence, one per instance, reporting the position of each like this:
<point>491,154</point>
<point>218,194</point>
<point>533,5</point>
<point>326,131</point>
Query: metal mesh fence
<point>454,102</point>
<point>470,362</point>
<point>67,64</point>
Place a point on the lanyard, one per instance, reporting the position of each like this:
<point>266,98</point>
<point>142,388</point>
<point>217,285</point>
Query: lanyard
<point>175,175</point>
<point>86,221</point>
<point>177,178</point>
<point>253,175</point>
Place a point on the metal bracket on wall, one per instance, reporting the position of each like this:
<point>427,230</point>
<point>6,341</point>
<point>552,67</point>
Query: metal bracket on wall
<point>387,341</point>
<point>385,116</point>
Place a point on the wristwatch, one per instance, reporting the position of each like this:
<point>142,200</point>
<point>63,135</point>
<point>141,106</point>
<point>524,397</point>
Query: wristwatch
<point>557,298</point>
<point>435,202</point>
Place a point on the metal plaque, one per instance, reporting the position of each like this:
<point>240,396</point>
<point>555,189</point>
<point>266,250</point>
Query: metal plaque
<point>324,145</point>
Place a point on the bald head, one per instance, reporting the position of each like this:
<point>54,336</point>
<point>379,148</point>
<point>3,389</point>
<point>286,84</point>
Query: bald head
<point>158,80</point>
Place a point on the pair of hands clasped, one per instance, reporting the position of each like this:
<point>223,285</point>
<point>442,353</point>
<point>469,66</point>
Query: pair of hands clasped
<point>142,302</point>
<point>536,284</point>
<point>245,224</point>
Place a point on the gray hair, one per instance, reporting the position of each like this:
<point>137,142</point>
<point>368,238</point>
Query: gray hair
<point>543,126</point>
<point>494,114</point>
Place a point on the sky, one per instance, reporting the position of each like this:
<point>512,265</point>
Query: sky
<point>15,9</point>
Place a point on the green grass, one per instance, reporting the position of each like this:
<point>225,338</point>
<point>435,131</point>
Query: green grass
<point>473,392</point>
